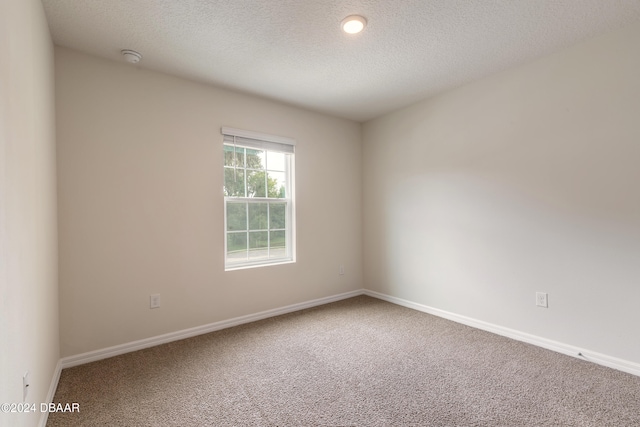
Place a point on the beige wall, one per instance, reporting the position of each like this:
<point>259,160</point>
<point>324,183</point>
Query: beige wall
<point>524,181</point>
<point>141,206</point>
<point>28,245</point>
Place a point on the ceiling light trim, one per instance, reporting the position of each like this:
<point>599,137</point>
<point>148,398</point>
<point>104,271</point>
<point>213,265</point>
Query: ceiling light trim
<point>353,24</point>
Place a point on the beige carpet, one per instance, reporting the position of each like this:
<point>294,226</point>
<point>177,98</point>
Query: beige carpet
<point>357,362</point>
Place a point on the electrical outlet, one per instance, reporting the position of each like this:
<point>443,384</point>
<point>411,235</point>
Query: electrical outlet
<point>25,386</point>
<point>341,270</point>
<point>154,301</point>
<point>541,299</point>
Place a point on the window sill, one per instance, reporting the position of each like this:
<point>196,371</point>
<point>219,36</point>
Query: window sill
<point>269,264</point>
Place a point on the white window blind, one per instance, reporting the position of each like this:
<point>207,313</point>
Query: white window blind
<point>258,140</point>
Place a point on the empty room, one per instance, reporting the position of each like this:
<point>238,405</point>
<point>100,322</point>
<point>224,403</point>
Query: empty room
<point>319,213</point>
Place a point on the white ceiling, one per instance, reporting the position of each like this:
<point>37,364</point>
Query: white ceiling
<point>294,50</point>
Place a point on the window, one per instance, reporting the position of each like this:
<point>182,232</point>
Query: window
<point>258,199</point>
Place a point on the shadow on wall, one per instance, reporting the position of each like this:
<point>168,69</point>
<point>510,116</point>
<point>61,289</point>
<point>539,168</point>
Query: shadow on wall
<point>458,240</point>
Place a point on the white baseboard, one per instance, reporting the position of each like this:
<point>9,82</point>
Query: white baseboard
<point>44,416</point>
<point>584,354</point>
<point>92,356</point>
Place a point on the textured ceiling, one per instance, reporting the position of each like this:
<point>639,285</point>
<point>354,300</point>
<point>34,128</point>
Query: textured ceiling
<point>294,51</point>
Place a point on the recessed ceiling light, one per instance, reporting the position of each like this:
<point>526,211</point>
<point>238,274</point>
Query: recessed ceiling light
<point>353,24</point>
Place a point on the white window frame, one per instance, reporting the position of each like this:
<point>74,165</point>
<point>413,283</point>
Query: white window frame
<point>256,140</point>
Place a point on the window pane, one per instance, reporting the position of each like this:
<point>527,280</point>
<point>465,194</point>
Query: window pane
<point>257,206</point>
<point>275,161</point>
<point>233,182</point>
<point>277,215</point>
<point>258,245</point>
<point>278,245</point>
<point>230,159</point>
<point>236,216</point>
<point>255,159</point>
<point>258,216</point>
<point>255,184</point>
<point>277,185</point>
<point>236,247</point>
